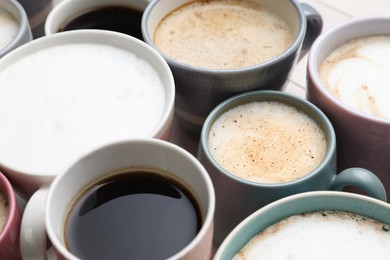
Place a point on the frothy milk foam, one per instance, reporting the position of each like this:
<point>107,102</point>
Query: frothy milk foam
<point>322,236</point>
<point>63,101</point>
<point>358,73</point>
<point>222,34</point>
<point>267,142</point>
<point>8,28</point>
<point>3,210</point>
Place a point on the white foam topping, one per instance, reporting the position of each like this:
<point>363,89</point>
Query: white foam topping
<point>63,101</point>
<point>314,236</point>
<point>8,28</point>
<point>358,73</point>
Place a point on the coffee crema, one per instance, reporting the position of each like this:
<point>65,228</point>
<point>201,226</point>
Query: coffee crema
<point>8,28</point>
<point>3,210</point>
<point>135,214</point>
<point>357,73</point>
<point>267,142</point>
<point>321,235</point>
<point>63,101</point>
<point>222,34</point>
<point>121,19</point>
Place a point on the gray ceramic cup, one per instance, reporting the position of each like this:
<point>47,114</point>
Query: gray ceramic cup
<point>300,203</point>
<point>363,139</point>
<point>237,198</point>
<point>199,89</point>
<point>24,33</point>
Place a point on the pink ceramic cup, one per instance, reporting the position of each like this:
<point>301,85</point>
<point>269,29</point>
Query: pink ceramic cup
<point>9,235</point>
<point>363,140</point>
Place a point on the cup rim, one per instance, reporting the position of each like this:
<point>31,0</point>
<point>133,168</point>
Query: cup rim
<point>295,45</point>
<point>24,26</point>
<point>273,95</point>
<point>7,190</point>
<point>151,142</point>
<point>312,65</point>
<point>77,36</point>
<point>334,195</point>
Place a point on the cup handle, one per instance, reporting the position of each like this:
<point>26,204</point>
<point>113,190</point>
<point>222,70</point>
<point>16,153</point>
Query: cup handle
<point>313,27</point>
<point>32,231</point>
<point>361,178</point>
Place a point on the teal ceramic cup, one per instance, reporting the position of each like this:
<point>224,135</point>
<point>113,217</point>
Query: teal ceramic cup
<point>296,204</point>
<point>237,198</point>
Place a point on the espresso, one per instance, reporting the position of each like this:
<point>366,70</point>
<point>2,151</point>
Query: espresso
<point>357,73</point>
<point>132,215</point>
<point>66,100</point>
<point>8,28</point>
<point>222,34</point>
<point>321,235</point>
<point>113,18</point>
<point>267,142</point>
<point>3,210</point>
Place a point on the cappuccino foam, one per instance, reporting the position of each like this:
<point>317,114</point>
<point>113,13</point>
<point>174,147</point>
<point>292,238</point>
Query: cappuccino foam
<point>60,102</point>
<point>8,28</point>
<point>3,210</point>
<point>358,74</point>
<point>222,34</point>
<point>321,236</point>
<point>267,142</point>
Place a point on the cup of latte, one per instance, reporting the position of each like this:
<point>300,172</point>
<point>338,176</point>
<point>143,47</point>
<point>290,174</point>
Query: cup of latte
<point>219,48</point>
<point>262,145</point>
<point>313,225</point>
<point>74,91</point>
<point>14,27</point>
<point>348,74</point>
<point>137,199</point>
<point>116,15</point>
<point>9,221</point>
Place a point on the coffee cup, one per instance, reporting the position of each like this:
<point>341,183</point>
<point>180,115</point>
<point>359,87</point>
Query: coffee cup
<point>119,15</point>
<point>363,132</point>
<point>155,212</point>
<point>199,87</point>
<point>14,28</point>
<point>324,218</point>
<point>261,146</point>
<point>9,221</point>
<point>71,92</point>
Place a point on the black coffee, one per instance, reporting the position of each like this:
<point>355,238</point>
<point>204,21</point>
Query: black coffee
<point>113,18</point>
<point>135,215</point>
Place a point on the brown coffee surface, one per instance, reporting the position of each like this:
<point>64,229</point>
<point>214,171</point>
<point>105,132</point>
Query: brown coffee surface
<point>267,142</point>
<point>222,34</point>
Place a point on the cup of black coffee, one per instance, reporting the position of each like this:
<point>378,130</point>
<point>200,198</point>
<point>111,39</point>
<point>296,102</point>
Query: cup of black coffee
<point>139,199</point>
<point>119,15</point>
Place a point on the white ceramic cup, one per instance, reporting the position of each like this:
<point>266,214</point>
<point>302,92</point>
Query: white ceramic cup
<point>27,181</point>
<point>55,201</point>
<point>24,32</point>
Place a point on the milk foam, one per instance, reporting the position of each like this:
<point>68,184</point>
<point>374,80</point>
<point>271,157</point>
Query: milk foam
<point>3,210</point>
<point>358,73</point>
<point>222,34</point>
<point>8,28</point>
<point>329,235</point>
<point>61,102</point>
<point>267,142</point>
